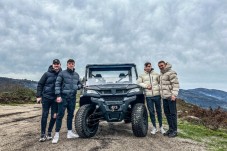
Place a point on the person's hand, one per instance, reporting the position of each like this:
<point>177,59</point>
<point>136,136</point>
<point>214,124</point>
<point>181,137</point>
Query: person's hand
<point>58,100</point>
<point>149,87</point>
<point>173,98</point>
<point>38,100</point>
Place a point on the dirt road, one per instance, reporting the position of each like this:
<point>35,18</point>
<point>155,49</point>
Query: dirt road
<point>20,130</point>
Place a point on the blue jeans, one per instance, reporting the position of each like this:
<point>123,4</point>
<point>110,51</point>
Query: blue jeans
<point>170,110</point>
<point>152,102</point>
<point>70,104</point>
<point>46,105</point>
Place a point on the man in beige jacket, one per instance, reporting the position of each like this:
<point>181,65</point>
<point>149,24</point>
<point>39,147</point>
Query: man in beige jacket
<point>149,80</point>
<point>169,88</point>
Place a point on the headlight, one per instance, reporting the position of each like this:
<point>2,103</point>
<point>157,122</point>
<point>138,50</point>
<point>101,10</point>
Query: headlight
<point>92,91</point>
<point>134,90</point>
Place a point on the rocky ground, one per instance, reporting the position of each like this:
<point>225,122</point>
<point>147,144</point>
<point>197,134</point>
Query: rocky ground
<point>20,130</point>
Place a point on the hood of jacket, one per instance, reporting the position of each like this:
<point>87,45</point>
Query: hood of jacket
<point>167,68</point>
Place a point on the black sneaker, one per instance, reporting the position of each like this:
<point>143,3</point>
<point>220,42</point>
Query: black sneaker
<point>167,133</point>
<point>43,138</point>
<point>49,137</point>
<point>173,134</point>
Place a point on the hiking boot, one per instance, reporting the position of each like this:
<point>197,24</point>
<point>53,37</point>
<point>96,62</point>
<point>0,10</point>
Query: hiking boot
<point>162,130</point>
<point>167,133</point>
<point>70,134</point>
<point>154,130</point>
<point>49,137</point>
<point>43,138</point>
<point>173,134</point>
<point>55,139</point>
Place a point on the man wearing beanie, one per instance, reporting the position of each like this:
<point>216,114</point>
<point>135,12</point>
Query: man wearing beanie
<point>46,95</point>
<point>66,86</point>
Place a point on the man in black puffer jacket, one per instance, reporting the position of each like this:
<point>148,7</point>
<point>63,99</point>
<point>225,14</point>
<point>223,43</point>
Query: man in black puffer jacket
<point>46,95</point>
<point>67,84</point>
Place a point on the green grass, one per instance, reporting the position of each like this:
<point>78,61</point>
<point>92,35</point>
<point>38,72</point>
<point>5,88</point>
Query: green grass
<point>214,140</point>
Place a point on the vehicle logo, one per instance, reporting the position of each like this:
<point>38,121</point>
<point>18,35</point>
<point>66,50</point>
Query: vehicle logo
<point>114,107</point>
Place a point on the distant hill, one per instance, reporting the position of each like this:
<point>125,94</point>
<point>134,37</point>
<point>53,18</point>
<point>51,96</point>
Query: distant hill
<point>5,83</point>
<point>205,98</point>
<point>202,97</point>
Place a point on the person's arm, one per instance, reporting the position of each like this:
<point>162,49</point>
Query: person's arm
<point>175,85</point>
<point>140,82</point>
<point>58,85</point>
<point>40,86</point>
<point>79,84</point>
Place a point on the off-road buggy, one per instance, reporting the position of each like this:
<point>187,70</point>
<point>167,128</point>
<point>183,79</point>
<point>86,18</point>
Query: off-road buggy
<point>110,93</point>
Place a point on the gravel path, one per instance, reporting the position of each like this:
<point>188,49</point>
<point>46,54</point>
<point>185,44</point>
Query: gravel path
<point>20,130</point>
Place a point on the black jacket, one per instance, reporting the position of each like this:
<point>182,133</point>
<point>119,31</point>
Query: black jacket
<point>67,83</point>
<point>46,85</point>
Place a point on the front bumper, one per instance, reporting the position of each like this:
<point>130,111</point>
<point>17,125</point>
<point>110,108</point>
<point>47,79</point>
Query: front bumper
<point>113,111</point>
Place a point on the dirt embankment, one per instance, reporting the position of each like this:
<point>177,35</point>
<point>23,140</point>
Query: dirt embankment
<point>20,130</point>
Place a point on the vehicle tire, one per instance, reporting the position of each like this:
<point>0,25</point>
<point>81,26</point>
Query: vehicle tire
<point>86,125</point>
<point>127,121</point>
<point>139,119</point>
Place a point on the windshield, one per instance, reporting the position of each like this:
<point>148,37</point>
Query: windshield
<point>101,76</point>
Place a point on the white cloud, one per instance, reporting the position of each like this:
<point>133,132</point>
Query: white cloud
<point>191,35</point>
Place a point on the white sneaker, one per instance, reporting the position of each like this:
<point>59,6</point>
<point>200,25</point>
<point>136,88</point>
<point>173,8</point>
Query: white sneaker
<point>43,138</point>
<point>55,139</point>
<point>70,134</point>
<point>49,137</point>
<point>162,130</point>
<point>154,130</point>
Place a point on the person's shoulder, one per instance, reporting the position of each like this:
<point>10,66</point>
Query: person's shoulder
<point>75,73</point>
<point>155,73</point>
<point>143,74</point>
<point>172,72</point>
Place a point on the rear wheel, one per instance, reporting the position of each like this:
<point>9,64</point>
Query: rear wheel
<point>139,120</point>
<point>86,122</point>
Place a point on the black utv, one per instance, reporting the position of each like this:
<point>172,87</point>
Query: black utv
<point>110,93</point>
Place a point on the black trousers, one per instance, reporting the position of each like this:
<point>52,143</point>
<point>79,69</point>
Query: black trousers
<point>69,104</point>
<point>170,110</point>
<point>48,104</point>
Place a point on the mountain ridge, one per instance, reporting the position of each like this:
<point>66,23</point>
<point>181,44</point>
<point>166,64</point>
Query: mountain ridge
<point>203,97</point>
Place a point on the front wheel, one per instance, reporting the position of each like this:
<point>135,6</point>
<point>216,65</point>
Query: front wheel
<point>86,123</point>
<point>139,120</point>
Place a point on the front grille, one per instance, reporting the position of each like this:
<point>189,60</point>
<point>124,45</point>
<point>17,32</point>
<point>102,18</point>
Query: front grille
<point>113,98</point>
<point>105,92</point>
<point>121,91</point>
<point>117,91</point>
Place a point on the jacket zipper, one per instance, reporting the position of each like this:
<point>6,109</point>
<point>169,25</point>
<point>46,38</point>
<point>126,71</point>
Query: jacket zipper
<point>151,83</point>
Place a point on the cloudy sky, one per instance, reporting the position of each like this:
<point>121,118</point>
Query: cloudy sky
<point>191,35</point>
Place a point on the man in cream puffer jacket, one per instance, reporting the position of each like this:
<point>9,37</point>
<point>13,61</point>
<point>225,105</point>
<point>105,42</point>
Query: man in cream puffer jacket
<point>169,88</point>
<point>149,80</point>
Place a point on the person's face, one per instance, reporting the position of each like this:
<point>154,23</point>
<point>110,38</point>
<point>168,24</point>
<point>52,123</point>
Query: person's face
<point>71,65</point>
<point>161,66</point>
<point>147,68</point>
<point>56,66</point>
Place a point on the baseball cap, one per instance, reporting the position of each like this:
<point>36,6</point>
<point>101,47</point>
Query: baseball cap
<point>56,61</point>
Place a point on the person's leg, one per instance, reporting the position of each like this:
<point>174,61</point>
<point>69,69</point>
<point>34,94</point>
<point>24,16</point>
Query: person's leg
<point>150,105</point>
<point>173,114</point>
<point>54,111</point>
<point>54,107</point>
<point>167,114</point>
<point>157,100</point>
<point>45,112</point>
<point>61,111</point>
<point>71,109</point>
